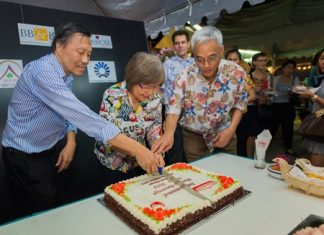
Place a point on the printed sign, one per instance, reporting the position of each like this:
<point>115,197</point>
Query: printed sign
<point>101,41</point>
<point>102,71</point>
<point>37,35</point>
<point>10,71</point>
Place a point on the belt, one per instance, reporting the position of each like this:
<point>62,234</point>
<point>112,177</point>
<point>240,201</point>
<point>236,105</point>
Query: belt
<point>193,132</point>
<point>14,151</point>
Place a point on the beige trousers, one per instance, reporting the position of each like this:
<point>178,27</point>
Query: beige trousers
<point>195,147</point>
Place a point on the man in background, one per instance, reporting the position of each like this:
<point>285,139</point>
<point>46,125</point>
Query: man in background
<point>172,68</point>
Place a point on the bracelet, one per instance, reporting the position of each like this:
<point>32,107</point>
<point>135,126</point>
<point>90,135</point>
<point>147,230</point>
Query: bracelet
<point>314,98</point>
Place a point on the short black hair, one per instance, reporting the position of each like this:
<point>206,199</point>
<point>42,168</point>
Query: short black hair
<point>179,33</point>
<point>65,32</point>
<point>258,55</point>
<point>233,50</point>
<point>284,64</point>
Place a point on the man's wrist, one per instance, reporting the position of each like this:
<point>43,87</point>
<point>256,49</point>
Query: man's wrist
<point>71,143</point>
<point>169,132</point>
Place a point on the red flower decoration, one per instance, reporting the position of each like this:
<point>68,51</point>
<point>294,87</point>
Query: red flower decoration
<point>118,187</point>
<point>225,181</point>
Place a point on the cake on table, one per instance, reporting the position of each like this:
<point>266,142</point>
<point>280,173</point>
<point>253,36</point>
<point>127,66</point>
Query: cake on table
<point>154,204</point>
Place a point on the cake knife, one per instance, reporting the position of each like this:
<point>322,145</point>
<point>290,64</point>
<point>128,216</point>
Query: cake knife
<point>185,187</point>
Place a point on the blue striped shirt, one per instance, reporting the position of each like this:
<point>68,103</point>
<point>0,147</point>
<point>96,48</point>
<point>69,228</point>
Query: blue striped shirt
<point>43,108</point>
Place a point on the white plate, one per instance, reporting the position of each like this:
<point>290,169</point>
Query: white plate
<point>274,173</point>
<point>299,88</point>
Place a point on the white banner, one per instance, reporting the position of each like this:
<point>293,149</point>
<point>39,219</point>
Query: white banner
<point>10,71</point>
<point>101,41</point>
<point>102,71</point>
<point>37,35</point>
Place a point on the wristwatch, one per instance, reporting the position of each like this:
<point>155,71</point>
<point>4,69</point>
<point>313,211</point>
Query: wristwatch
<point>314,98</point>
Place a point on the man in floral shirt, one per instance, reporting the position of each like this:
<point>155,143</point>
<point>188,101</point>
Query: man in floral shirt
<point>172,68</point>
<point>211,94</point>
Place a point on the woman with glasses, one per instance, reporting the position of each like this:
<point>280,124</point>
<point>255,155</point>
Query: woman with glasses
<point>247,129</point>
<point>262,79</point>
<point>134,106</point>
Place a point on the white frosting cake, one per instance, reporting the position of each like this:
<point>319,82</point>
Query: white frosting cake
<point>158,202</point>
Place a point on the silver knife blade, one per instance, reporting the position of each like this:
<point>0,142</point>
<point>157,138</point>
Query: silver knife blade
<point>185,187</point>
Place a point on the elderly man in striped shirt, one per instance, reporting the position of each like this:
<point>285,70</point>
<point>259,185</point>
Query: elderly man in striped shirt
<point>43,110</point>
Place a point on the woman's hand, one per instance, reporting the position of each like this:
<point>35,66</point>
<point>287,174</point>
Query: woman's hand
<point>159,160</point>
<point>306,94</point>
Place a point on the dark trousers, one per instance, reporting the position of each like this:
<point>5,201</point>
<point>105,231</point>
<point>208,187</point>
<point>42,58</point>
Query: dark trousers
<point>284,116</point>
<point>176,154</point>
<point>248,127</point>
<point>32,178</point>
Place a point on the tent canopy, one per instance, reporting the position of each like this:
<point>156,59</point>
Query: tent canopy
<point>283,28</point>
<point>158,16</point>
<point>286,29</point>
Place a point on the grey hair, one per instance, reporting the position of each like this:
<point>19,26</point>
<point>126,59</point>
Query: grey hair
<point>144,68</point>
<point>205,34</point>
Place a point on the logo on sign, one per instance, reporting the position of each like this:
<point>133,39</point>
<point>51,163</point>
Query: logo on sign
<point>101,71</point>
<point>10,71</point>
<point>101,41</point>
<point>36,35</point>
<point>40,34</point>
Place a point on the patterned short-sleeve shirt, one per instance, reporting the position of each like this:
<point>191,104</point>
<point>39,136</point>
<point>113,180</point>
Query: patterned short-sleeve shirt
<point>142,124</point>
<point>206,106</point>
<point>172,68</point>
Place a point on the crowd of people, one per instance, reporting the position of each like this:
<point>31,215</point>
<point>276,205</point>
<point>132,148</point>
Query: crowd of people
<point>161,113</point>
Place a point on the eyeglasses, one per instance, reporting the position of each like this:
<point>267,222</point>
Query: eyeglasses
<point>264,61</point>
<point>210,59</point>
<point>148,88</point>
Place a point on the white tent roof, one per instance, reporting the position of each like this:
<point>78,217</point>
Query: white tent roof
<point>158,15</point>
<point>287,28</point>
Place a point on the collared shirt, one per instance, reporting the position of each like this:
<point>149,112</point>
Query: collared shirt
<point>43,108</point>
<point>144,123</point>
<point>172,68</point>
<point>206,106</point>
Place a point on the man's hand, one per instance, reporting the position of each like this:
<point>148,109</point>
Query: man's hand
<point>163,144</point>
<point>166,141</point>
<point>223,138</point>
<point>146,160</point>
<point>129,146</point>
<point>65,157</point>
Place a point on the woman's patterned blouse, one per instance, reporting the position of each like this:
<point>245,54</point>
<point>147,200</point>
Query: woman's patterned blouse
<point>143,124</point>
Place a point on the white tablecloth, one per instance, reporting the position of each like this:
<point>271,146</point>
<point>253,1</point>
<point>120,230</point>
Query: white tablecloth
<point>272,208</point>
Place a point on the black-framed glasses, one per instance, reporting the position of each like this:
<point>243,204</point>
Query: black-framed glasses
<point>210,59</point>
